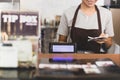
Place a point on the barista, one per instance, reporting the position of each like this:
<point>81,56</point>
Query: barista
<point>86,20</point>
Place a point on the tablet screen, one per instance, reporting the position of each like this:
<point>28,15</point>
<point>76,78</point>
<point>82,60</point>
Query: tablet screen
<point>62,47</point>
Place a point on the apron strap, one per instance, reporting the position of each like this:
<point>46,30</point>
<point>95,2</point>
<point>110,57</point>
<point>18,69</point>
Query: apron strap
<point>98,17</point>
<point>75,16</point>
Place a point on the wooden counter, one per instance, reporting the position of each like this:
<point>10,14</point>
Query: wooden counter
<point>103,76</point>
<point>114,57</point>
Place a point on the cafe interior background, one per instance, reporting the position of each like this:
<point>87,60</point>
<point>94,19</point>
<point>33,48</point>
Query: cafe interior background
<point>28,26</point>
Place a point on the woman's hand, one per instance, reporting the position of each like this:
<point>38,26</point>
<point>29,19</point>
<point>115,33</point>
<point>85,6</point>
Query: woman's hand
<point>107,40</point>
<point>102,38</point>
<point>62,38</point>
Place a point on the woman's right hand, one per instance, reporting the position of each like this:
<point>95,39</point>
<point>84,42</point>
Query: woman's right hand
<point>62,38</point>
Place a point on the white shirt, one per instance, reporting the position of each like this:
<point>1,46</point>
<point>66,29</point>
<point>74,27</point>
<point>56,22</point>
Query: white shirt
<point>86,22</point>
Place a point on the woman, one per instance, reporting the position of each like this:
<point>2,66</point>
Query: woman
<point>86,20</point>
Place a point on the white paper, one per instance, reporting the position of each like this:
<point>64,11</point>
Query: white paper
<point>74,66</point>
<point>90,69</point>
<point>96,38</point>
<point>51,66</point>
<point>104,63</point>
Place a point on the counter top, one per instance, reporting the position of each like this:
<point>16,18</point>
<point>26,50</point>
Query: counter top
<point>114,57</point>
<point>109,72</point>
<point>16,73</point>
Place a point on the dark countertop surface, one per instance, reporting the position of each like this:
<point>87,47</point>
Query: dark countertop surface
<point>110,72</point>
<point>107,72</point>
<point>17,73</point>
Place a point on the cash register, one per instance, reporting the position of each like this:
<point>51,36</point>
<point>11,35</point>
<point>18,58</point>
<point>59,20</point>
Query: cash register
<point>62,48</point>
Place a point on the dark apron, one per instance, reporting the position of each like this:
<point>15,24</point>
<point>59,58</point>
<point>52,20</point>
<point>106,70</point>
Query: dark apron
<point>80,36</point>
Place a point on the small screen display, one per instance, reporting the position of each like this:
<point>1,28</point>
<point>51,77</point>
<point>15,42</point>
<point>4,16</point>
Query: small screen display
<point>63,48</point>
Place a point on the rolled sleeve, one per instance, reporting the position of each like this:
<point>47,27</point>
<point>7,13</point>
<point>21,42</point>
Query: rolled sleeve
<point>109,26</point>
<point>63,26</point>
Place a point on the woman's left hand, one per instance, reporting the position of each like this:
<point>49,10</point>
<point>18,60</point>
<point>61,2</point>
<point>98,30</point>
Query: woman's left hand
<point>102,38</point>
<point>107,40</point>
